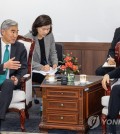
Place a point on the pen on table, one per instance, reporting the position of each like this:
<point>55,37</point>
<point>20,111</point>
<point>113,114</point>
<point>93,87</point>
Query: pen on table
<point>47,65</point>
<point>110,56</point>
<point>45,62</point>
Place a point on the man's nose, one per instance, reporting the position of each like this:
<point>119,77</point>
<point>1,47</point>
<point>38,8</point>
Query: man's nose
<point>15,35</point>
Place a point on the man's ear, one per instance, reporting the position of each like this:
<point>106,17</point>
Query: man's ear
<point>1,31</point>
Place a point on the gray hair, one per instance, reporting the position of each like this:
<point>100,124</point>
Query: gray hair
<point>8,23</point>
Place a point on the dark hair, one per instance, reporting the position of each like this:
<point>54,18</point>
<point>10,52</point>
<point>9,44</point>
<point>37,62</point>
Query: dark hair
<point>42,20</point>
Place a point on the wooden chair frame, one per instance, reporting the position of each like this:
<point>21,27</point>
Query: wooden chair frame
<point>24,112</point>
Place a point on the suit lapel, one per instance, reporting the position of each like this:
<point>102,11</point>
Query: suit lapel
<point>47,47</point>
<point>12,53</point>
<point>37,47</point>
<point>13,50</point>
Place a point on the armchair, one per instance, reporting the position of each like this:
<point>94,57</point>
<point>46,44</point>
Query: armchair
<point>59,49</point>
<point>105,99</point>
<point>22,98</point>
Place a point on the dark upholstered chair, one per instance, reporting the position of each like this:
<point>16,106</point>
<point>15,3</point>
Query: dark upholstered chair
<point>59,48</point>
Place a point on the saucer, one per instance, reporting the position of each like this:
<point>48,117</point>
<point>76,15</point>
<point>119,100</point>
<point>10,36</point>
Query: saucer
<point>76,82</point>
<point>51,81</point>
<point>83,83</point>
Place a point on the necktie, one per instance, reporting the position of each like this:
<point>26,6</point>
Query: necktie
<point>5,59</point>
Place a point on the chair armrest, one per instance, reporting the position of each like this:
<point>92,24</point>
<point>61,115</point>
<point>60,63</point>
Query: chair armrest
<point>23,81</point>
<point>109,86</point>
<point>107,92</point>
<point>25,78</point>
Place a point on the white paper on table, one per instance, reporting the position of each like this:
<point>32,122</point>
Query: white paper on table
<point>50,72</point>
<point>107,65</point>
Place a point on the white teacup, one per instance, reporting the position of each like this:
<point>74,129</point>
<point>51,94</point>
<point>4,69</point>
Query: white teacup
<point>83,78</point>
<point>51,78</point>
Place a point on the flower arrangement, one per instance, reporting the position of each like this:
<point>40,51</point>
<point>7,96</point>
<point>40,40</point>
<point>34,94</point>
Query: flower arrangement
<point>69,64</point>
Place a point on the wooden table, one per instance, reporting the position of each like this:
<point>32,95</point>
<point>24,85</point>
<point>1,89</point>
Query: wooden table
<point>69,106</point>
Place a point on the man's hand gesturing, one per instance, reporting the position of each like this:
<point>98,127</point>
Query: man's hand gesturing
<point>11,64</point>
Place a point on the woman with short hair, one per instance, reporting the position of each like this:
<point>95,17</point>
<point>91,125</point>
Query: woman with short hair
<point>45,54</point>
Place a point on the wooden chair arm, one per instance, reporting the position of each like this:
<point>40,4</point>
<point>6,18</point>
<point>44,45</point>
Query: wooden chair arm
<point>25,78</point>
<point>23,81</point>
<point>109,86</point>
<point>107,92</point>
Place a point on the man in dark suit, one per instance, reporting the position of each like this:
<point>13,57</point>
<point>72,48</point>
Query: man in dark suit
<point>114,102</point>
<point>13,68</point>
<point>111,55</point>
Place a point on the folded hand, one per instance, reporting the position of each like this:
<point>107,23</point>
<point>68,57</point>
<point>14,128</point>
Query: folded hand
<point>46,68</point>
<point>54,66</point>
<point>14,79</point>
<point>105,81</point>
<point>111,61</point>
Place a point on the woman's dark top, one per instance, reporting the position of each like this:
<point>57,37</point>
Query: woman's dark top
<point>42,51</point>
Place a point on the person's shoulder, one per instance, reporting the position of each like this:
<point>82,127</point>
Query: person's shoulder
<point>50,35</point>
<point>29,35</point>
<point>19,44</point>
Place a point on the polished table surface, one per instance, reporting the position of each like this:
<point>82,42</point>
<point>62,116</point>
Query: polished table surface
<point>90,80</point>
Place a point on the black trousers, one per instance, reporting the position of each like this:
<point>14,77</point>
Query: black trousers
<point>114,102</point>
<point>101,71</point>
<point>114,107</point>
<point>36,77</point>
<point>5,96</point>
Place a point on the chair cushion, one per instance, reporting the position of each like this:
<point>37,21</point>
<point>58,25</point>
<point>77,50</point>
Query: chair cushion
<point>20,105</point>
<point>105,111</point>
<point>18,96</point>
<point>105,100</point>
